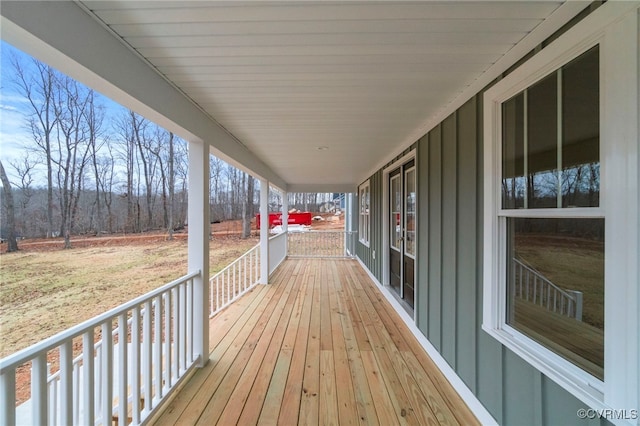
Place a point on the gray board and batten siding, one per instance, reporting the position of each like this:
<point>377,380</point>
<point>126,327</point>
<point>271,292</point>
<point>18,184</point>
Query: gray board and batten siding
<point>449,272</point>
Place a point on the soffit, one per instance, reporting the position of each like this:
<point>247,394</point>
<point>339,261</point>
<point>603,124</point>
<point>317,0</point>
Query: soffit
<point>285,78</point>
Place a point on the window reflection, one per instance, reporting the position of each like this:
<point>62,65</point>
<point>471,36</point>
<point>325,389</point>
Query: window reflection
<point>555,276</point>
<point>580,131</point>
<point>542,143</point>
<point>513,183</point>
<point>538,170</point>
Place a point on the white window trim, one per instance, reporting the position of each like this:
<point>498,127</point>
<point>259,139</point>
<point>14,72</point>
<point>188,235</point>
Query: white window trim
<point>364,229</point>
<point>614,26</point>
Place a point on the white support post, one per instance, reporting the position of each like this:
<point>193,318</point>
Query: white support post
<point>285,212</point>
<point>198,245</point>
<point>285,219</point>
<point>348,224</point>
<point>264,231</point>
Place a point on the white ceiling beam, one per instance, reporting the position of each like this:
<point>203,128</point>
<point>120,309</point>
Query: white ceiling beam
<point>323,187</point>
<point>125,12</point>
<point>325,26</point>
<point>334,39</point>
<point>323,50</point>
<point>357,59</point>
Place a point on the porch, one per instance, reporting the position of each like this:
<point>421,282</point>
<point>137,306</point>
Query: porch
<point>319,345</point>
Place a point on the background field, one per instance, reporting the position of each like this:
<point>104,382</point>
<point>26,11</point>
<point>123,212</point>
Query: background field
<point>46,291</point>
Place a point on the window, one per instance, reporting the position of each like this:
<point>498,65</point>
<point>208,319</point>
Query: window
<point>364,222</point>
<point>554,267</point>
<point>560,216</point>
<point>410,211</point>
<point>396,212</point>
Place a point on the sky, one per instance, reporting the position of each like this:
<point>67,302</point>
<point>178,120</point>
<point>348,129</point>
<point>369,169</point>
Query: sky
<point>13,133</point>
<point>15,136</point>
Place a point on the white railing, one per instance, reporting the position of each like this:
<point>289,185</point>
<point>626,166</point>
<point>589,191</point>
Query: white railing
<point>532,286</point>
<point>79,377</point>
<point>233,281</point>
<point>122,378</point>
<point>321,243</point>
<point>277,250</point>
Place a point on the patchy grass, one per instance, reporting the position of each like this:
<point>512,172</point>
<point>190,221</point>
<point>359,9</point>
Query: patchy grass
<point>45,292</point>
<point>572,264</point>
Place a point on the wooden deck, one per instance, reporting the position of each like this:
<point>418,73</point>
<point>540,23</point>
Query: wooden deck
<point>320,345</point>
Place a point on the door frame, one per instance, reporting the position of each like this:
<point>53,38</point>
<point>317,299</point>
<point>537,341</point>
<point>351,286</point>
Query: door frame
<point>386,220</point>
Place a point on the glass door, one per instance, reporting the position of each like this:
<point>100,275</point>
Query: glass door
<point>395,229</point>
<point>402,231</point>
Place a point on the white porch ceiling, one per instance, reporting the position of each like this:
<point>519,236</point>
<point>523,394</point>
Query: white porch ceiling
<point>361,79</point>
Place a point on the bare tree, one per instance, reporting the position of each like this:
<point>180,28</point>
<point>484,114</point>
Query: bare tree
<point>72,149</point>
<point>24,170</point>
<point>66,122</point>
<point>11,220</point>
<point>38,89</point>
<point>158,151</point>
<point>139,125</point>
<point>172,186</point>
<point>125,128</point>
<point>94,117</point>
<point>106,172</point>
<point>216,167</point>
<point>247,207</point>
<point>181,169</point>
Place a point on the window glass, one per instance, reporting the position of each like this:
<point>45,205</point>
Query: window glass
<point>513,188</point>
<point>555,279</point>
<point>410,211</point>
<point>542,144</point>
<point>554,266</point>
<point>538,169</point>
<point>396,200</point>
<point>364,213</point>
<point>581,132</point>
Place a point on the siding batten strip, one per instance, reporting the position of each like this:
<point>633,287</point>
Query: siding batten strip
<point>449,235</point>
<point>435,238</point>
<point>466,253</point>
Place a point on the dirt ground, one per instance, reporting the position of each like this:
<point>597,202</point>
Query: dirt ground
<point>45,289</point>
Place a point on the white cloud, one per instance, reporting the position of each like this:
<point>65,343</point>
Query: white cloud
<point>8,108</point>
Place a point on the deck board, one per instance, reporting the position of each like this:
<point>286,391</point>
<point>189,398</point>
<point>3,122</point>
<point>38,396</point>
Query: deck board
<point>320,345</point>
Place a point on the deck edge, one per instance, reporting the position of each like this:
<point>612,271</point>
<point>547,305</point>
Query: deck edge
<point>474,404</point>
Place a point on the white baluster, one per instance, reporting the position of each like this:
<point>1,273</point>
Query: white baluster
<point>66,383</point>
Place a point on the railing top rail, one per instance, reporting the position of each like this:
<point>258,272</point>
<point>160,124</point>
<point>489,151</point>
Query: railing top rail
<point>229,266</point>
<point>20,357</point>
<point>545,279</point>
<point>336,231</point>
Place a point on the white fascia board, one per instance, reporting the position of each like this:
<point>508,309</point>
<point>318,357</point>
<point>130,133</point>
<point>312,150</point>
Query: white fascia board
<point>547,28</point>
<point>67,38</point>
<point>213,150</point>
<point>322,187</point>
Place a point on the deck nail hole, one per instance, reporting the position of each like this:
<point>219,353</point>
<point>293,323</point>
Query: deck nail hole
<point>403,412</point>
